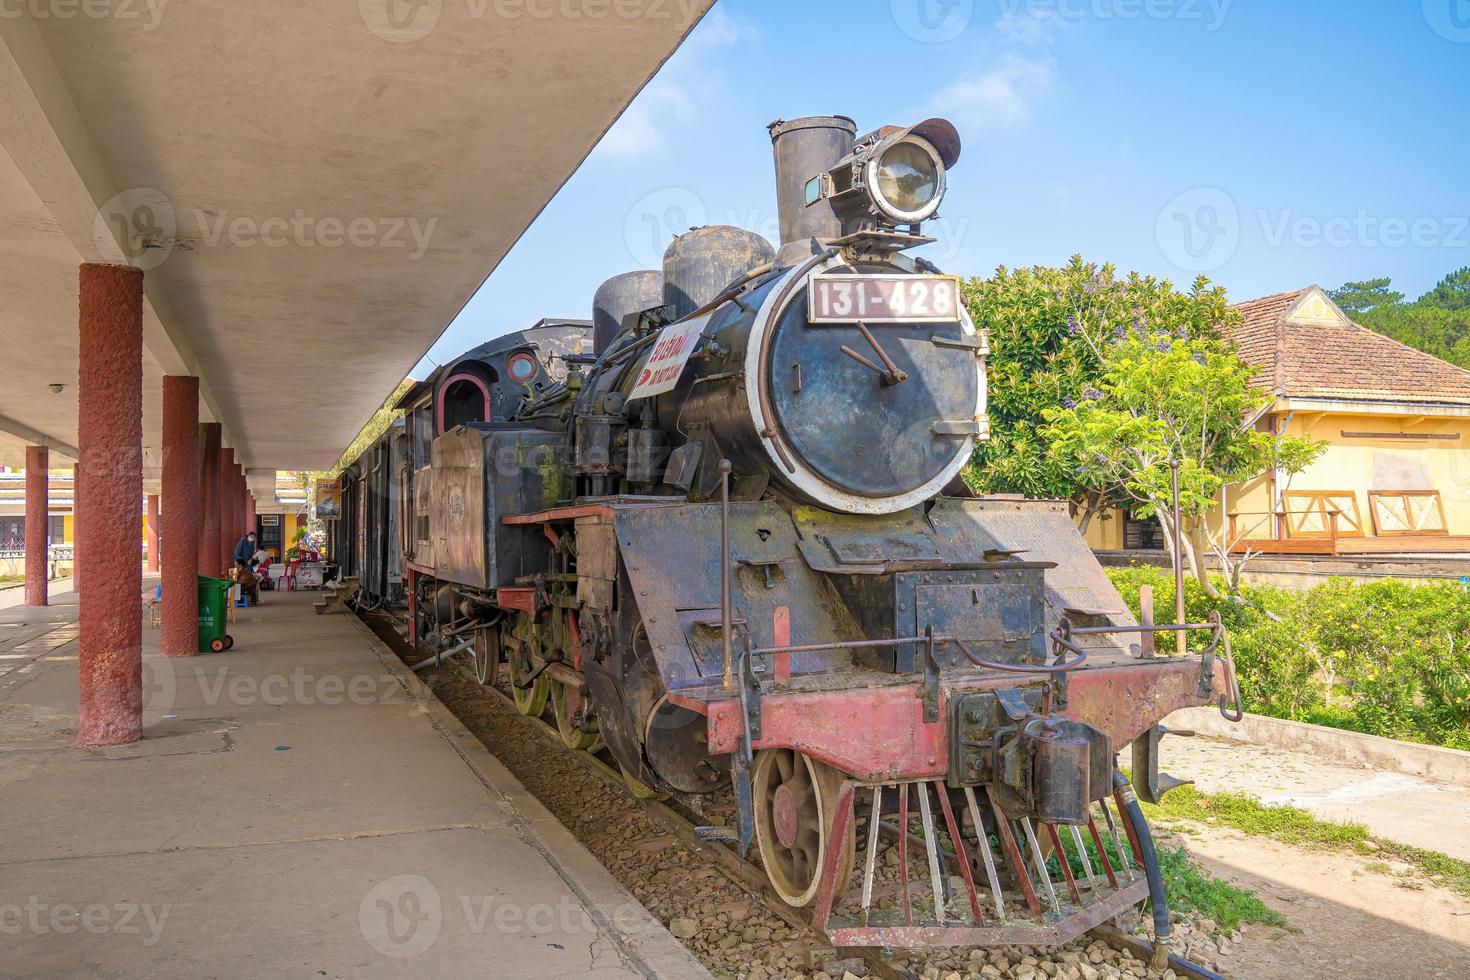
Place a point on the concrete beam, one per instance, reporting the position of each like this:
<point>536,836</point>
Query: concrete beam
<point>50,145</point>
<point>29,435</point>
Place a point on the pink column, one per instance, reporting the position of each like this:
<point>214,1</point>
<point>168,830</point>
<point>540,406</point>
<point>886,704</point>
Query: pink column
<point>37,510</point>
<point>151,518</point>
<point>179,634</point>
<point>228,532</point>
<point>209,532</point>
<point>110,436</point>
<point>240,501</point>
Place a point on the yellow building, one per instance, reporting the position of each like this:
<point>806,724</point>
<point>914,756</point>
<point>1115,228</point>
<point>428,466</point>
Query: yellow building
<point>1395,477</point>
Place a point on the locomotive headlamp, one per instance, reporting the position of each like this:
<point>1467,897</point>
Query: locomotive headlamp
<point>894,176</point>
<point>906,180</point>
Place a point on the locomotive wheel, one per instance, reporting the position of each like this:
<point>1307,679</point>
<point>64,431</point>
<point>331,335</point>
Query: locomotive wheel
<point>640,789</point>
<point>486,655</point>
<point>795,797</point>
<point>565,702</point>
<point>528,700</point>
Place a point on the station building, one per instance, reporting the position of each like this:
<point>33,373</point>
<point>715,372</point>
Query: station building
<point>1395,477</point>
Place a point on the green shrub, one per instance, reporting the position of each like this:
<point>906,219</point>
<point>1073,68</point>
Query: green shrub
<point>1386,658</point>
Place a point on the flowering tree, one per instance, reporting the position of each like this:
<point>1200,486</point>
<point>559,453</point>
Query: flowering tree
<point>1164,396</point>
<point>1050,329</point>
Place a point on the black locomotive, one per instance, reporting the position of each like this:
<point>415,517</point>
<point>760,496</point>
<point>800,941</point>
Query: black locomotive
<point>721,534</point>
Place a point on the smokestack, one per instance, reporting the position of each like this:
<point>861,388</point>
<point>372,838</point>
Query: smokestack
<point>804,148</point>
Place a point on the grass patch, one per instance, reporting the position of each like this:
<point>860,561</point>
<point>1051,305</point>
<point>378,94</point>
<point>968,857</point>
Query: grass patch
<point>1189,887</point>
<point>1293,825</point>
<point>6,580</point>
<point>1192,889</point>
<point>1288,824</point>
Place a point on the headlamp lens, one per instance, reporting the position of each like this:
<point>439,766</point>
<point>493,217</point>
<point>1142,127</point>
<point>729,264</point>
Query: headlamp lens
<point>908,177</point>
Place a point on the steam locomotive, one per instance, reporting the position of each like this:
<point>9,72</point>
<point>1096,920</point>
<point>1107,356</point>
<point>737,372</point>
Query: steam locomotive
<point>720,533</point>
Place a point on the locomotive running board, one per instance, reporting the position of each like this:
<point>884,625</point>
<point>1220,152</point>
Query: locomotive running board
<point>1042,908</point>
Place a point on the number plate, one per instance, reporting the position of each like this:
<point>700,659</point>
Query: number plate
<point>879,299</point>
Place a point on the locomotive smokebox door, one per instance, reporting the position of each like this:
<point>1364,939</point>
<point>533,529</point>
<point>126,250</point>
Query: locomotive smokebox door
<point>859,424</point>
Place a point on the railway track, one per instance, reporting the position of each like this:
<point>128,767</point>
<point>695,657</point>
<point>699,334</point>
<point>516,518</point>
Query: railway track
<point>679,823</point>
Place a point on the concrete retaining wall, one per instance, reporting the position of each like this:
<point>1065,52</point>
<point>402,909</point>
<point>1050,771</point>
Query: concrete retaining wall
<point>1306,571</point>
<point>1353,748</point>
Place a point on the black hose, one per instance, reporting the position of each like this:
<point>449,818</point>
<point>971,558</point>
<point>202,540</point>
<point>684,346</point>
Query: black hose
<point>1129,802</point>
<point>1142,947</point>
<point>1195,968</point>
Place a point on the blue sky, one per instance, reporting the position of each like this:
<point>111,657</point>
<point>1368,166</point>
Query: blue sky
<point>1266,143</point>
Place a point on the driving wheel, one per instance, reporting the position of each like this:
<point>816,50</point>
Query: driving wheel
<point>795,798</point>
<point>530,698</point>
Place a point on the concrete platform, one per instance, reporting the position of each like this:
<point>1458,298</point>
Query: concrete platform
<point>299,806</point>
<point>1392,802</point>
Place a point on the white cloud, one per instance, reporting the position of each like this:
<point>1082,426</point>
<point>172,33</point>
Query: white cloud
<point>673,97</point>
<point>1000,97</point>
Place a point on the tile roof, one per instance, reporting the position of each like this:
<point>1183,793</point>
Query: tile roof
<point>1339,361</point>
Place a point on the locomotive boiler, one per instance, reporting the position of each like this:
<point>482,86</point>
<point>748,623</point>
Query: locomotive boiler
<point>728,543</point>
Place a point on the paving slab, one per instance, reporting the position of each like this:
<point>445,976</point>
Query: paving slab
<point>1393,805</point>
<point>299,806</point>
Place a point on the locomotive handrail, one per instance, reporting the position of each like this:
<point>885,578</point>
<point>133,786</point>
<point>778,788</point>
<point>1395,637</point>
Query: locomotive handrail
<point>901,640</point>
<point>1061,636</point>
<point>1055,668</point>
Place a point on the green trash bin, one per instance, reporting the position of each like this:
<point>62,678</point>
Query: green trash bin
<point>213,606</point>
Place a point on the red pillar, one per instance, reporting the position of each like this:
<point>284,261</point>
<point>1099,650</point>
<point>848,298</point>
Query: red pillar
<point>178,636</point>
<point>239,502</point>
<point>151,515</point>
<point>209,532</point>
<point>228,532</point>
<point>110,436</point>
<point>37,510</point>
<point>249,510</point>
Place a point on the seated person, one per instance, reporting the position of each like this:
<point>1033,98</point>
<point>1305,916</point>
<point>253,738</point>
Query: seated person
<point>263,572</point>
<point>249,586</point>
